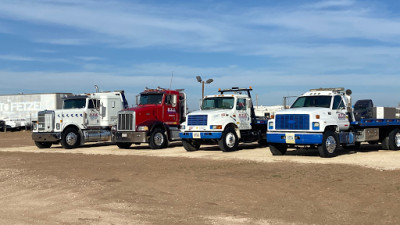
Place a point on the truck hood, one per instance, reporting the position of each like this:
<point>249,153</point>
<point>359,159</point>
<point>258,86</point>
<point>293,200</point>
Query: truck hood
<point>210,112</point>
<point>144,108</point>
<point>304,110</point>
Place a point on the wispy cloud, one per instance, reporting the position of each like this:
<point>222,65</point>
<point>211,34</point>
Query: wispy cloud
<point>31,59</point>
<point>89,58</point>
<point>217,29</point>
<point>16,58</point>
<point>332,3</point>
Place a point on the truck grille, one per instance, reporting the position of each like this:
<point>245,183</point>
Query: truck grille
<point>46,121</point>
<point>292,122</point>
<point>197,120</point>
<point>126,120</point>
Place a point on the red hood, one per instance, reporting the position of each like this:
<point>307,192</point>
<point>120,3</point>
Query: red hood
<point>144,108</point>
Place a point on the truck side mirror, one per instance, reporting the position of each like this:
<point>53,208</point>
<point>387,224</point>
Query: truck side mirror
<point>137,99</point>
<point>173,100</point>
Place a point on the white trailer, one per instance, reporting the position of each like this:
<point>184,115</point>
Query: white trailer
<point>21,109</point>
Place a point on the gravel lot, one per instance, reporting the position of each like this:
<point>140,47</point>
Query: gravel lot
<point>101,184</point>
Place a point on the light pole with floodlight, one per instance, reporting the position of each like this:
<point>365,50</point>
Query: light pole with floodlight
<point>209,81</point>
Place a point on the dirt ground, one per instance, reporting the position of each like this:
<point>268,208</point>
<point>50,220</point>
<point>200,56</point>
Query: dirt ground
<point>101,184</point>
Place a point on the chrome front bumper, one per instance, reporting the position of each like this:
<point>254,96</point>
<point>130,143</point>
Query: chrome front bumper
<point>130,136</point>
<point>46,137</point>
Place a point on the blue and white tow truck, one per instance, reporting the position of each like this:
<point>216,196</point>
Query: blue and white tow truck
<point>324,119</point>
<point>224,119</point>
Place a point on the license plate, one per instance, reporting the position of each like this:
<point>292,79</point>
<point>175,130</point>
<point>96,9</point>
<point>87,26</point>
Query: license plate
<point>196,135</point>
<point>290,138</point>
<point>124,135</point>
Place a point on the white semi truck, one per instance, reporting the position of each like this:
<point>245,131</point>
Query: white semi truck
<point>84,118</point>
<point>324,119</point>
<point>224,119</point>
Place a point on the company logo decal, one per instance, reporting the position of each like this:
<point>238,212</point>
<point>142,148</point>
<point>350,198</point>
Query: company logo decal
<point>171,110</point>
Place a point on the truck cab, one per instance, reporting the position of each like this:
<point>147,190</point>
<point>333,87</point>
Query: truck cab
<point>225,119</point>
<point>155,120</point>
<point>84,118</point>
<point>324,119</point>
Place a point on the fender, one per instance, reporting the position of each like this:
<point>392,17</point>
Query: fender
<point>77,128</point>
<point>234,127</point>
<point>152,124</point>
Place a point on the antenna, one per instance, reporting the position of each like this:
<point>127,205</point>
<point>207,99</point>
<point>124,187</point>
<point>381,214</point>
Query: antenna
<point>172,76</point>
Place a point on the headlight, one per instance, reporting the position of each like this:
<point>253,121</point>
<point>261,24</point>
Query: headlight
<point>183,127</point>
<point>114,128</point>
<point>212,127</point>
<point>271,125</point>
<point>57,126</point>
<point>143,128</point>
<point>315,125</point>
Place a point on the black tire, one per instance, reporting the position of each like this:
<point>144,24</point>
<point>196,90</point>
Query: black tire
<point>124,145</point>
<point>190,145</point>
<point>229,140</point>
<point>43,144</point>
<point>278,149</point>
<point>329,145</point>
<point>372,142</point>
<point>70,138</point>
<point>158,139</point>
<point>392,141</point>
<point>263,143</point>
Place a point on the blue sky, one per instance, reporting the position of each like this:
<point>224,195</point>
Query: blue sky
<point>279,48</point>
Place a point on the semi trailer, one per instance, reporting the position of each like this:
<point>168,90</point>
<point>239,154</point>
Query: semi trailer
<point>325,119</point>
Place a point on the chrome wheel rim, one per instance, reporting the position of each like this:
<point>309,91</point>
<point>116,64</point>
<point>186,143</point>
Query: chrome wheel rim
<point>330,144</point>
<point>230,140</point>
<point>71,138</point>
<point>158,139</point>
<point>397,139</point>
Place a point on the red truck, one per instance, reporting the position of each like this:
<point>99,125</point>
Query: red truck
<point>155,120</point>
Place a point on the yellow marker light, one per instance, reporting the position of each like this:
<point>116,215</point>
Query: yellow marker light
<point>317,117</point>
<point>250,87</point>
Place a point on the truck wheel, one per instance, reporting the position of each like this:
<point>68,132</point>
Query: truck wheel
<point>190,145</point>
<point>43,144</point>
<point>392,141</point>
<point>278,149</point>
<point>229,140</point>
<point>158,139</point>
<point>70,138</point>
<point>329,145</point>
<point>124,145</point>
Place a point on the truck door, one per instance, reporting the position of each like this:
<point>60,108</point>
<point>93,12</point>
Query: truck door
<point>171,110</point>
<point>340,113</point>
<point>243,114</point>
<point>93,112</point>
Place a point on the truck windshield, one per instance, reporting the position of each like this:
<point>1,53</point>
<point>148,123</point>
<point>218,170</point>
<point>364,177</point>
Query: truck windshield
<point>74,103</point>
<point>218,103</point>
<point>150,99</point>
<point>313,101</point>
